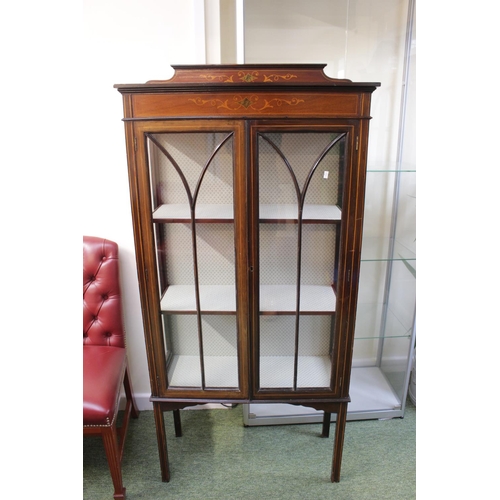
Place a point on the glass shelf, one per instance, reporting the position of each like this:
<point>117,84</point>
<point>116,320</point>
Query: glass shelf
<point>377,249</point>
<point>375,167</point>
<point>390,170</point>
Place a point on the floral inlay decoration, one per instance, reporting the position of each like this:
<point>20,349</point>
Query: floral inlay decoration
<point>221,78</point>
<point>253,102</point>
<point>249,77</point>
<point>275,78</point>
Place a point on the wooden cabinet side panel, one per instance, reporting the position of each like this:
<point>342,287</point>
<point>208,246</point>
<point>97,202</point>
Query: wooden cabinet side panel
<point>147,265</point>
<point>352,247</point>
<point>138,228</point>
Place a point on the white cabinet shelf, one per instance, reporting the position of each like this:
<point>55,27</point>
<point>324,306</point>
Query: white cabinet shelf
<point>274,299</point>
<point>311,213</point>
<point>213,299</point>
<point>275,371</point>
<point>180,212</point>
<point>220,371</point>
<point>314,299</point>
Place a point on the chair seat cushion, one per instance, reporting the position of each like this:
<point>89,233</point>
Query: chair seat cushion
<point>103,371</point>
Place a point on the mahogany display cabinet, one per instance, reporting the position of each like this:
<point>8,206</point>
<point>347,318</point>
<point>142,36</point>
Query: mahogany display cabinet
<point>247,187</point>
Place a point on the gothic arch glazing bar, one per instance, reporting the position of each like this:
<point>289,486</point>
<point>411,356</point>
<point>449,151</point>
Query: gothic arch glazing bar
<point>300,196</point>
<point>192,196</point>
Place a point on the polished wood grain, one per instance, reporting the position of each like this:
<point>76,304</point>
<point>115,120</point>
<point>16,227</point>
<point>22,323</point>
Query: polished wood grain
<point>249,104</point>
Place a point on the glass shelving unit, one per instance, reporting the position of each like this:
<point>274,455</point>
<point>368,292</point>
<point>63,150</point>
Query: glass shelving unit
<point>385,332</point>
<point>385,322</point>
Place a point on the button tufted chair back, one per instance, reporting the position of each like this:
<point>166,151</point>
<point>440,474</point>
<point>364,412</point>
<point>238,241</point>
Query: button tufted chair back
<point>105,367</point>
<point>102,316</point>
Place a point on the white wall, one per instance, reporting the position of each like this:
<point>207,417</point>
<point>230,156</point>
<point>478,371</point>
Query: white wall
<point>362,41</point>
<point>126,41</point>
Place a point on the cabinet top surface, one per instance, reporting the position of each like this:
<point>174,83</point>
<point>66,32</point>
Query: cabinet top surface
<point>254,75</point>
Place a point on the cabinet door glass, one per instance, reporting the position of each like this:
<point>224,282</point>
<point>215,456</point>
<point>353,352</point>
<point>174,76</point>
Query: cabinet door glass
<point>192,195</point>
<point>300,176</point>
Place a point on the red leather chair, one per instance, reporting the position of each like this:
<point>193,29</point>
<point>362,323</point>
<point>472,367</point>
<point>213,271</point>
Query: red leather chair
<point>104,355</point>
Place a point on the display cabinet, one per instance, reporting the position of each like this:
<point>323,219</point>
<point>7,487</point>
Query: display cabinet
<point>247,187</point>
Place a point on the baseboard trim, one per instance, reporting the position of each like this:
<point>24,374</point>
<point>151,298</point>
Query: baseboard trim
<point>141,400</point>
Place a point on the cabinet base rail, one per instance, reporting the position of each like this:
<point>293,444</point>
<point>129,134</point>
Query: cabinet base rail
<point>337,407</point>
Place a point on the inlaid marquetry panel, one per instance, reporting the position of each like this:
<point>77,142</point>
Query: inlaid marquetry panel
<point>251,104</point>
<point>250,74</point>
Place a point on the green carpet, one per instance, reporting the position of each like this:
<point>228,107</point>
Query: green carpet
<point>219,458</point>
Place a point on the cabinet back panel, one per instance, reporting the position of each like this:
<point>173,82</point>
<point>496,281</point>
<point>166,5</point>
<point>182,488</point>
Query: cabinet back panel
<point>215,247</point>
<point>278,254</point>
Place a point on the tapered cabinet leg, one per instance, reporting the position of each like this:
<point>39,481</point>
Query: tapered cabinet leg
<point>112,449</point>
<point>325,432</point>
<point>339,442</point>
<point>162,442</point>
<point>177,423</point>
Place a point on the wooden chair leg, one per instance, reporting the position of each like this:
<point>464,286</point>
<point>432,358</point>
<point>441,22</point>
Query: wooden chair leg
<point>162,442</point>
<point>129,394</point>
<point>130,410</point>
<point>339,442</point>
<point>112,449</point>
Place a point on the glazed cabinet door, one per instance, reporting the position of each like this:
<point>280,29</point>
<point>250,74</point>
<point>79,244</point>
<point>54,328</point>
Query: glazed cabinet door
<point>298,220</point>
<point>192,219</point>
